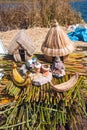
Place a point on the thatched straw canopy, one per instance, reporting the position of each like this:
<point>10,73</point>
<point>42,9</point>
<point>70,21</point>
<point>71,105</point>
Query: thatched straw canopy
<point>57,42</point>
<point>23,42</point>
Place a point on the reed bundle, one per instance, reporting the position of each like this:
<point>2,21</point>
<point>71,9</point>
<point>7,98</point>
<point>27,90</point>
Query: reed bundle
<point>42,107</point>
<point>75,63</point>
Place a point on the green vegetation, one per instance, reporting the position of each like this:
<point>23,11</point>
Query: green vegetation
<point>27,13</point>
<point>40,107</point>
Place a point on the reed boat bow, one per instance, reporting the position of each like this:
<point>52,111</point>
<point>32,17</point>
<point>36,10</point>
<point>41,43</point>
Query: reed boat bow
<point>66,85</point>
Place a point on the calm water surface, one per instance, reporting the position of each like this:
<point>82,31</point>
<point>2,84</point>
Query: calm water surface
<point>81,6</point>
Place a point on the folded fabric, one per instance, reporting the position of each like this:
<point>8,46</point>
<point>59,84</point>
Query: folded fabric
<point>80,34</point>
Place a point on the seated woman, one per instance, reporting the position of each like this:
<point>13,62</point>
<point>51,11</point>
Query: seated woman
<point>58,68</point>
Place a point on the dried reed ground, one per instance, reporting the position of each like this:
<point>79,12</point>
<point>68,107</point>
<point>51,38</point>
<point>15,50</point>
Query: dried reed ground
<point>36,34</point>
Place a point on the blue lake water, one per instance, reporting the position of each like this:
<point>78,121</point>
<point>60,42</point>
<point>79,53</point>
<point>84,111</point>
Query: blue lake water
<point>81,6</point>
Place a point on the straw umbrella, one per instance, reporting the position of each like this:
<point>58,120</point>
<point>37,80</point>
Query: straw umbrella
<point>56,43</point>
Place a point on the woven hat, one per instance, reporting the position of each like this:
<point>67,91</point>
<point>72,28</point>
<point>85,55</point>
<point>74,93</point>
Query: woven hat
<point>57,42</point>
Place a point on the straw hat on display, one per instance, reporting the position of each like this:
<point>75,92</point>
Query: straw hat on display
<point>57,42</point>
